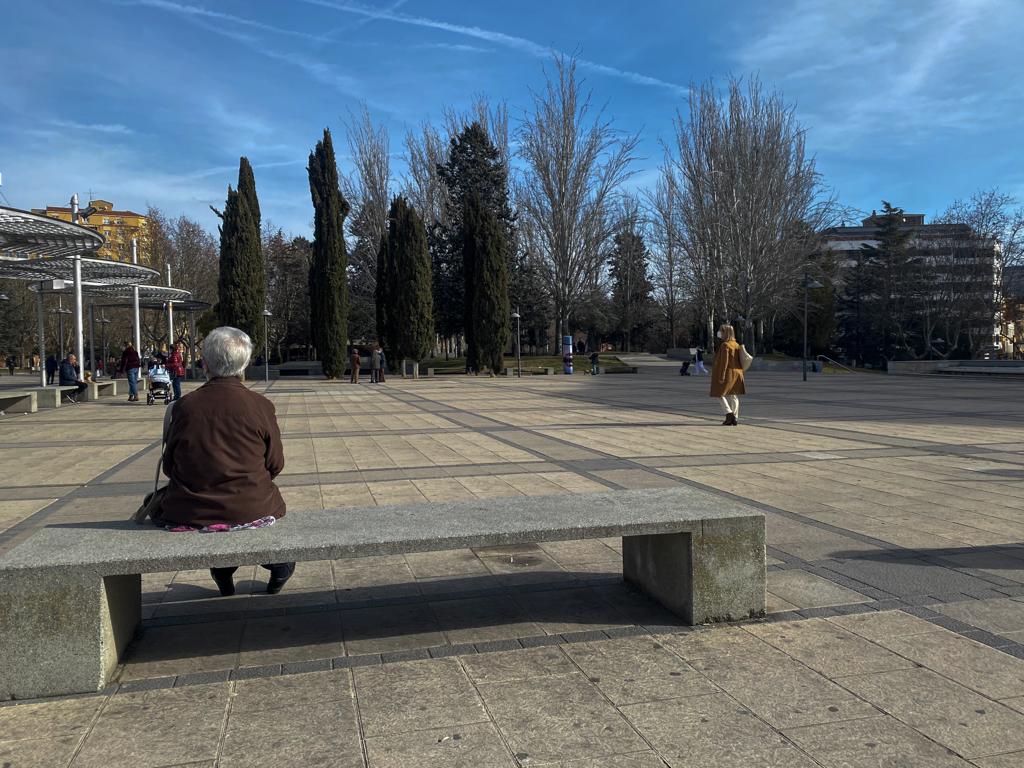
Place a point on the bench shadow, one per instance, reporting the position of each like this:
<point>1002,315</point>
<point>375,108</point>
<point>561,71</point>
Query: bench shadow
<point>215,633</point>
<point>989,557</point>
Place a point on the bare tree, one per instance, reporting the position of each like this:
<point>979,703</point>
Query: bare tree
<point>750,201</point>
<point>667,252</point>
<point>425,151</point>
<point>369,189</point>
<point>575,167</point>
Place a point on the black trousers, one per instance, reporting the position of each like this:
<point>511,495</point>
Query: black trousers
<point>276,569</point>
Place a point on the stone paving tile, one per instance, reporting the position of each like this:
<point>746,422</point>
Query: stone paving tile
<point>139,725</point>
<point>38,753</point>
<point>290,691</point>
<point>713,731</point>
<point>67,717</point>
<point>781,691</point>
<point>942,710</point>
<point>456,562</point>
<point>554,718</point>
<point>828,648</point>
<point>517,665</point>
<point>182,649</point>
<point>883,624</point>
<point>646,759</point>
<point>634,670</point>
<point>322,734</point>
<point>1009,760</point>
<point>999,616</point>
<point>805,590</point>
<point>415,696</point>
<point>462,746</point>
<point>391,628</point>
<point>712,643</point>
<point>481,619</point>
<point>570,610</point>
<point>986,670</point>
<point>873,742</point>
<point>277,639</point>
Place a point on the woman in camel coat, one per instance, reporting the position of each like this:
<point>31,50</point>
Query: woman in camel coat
<point>727,375</point>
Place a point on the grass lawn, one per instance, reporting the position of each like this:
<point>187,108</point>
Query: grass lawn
<point>531,363</point>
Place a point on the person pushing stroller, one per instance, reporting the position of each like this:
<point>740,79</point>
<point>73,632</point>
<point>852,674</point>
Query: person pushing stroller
<point>159,381</point>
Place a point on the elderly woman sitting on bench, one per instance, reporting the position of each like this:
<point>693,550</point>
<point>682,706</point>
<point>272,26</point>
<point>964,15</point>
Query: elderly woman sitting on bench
<point>222,454</point>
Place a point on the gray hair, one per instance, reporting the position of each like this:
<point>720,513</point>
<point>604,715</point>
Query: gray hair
<point>226,352</point>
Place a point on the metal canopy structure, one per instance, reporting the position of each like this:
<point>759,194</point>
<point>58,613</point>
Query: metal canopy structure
<point>24,234</point>
<point>42,249</point>
<point>95,272</point>
<point>150,296</point>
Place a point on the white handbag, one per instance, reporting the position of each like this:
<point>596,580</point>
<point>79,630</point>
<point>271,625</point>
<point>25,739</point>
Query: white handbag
<point>746,359</point>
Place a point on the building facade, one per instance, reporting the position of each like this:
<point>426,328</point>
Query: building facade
<point>938,297</point>
<point>118,227</point>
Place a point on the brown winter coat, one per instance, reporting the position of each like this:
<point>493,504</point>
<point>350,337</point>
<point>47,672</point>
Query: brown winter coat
<point>222,455</point>
<point>727,373</point>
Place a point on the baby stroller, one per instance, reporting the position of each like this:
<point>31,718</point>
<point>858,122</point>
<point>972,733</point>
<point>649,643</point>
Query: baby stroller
<point>159,384</point>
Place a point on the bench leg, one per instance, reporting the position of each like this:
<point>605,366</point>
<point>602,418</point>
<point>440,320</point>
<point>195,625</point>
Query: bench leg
<point>715,574</point>
<point>64,633</point>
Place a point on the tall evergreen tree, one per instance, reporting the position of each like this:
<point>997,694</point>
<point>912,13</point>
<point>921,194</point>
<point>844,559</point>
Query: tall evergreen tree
<point>485,259</point>
<point>242,284</point>
<point>328,284</point>
<point>895,279</point>
<point>474,166</point>
<point>382,288</point>
<point>631,286</point>
<point>410,317</point>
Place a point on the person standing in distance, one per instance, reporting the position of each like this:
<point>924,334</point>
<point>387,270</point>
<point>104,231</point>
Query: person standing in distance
<point>727,375</point>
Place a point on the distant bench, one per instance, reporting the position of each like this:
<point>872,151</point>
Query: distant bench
<point>70,595</point>
<point>99,388</point>
<point>18,401</point>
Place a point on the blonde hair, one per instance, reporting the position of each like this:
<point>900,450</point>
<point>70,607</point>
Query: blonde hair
<point>728,332</point>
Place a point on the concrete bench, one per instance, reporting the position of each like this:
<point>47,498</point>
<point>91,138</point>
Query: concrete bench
<point>97,389</point>
<point>14,401</point>
<point>70,595</point>
<point>50,397</point>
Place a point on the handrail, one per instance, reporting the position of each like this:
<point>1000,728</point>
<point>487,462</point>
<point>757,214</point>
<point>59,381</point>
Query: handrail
<point>833,362</point>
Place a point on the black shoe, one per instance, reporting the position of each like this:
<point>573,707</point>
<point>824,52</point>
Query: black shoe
<point>224,579</point>
<point>279,575</point>
<point>730,420</point>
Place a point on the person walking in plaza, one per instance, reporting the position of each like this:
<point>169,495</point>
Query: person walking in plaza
<point>375,365</point>
<point>176,367</point>
<point>71,376</point>
<point>595,359</point>
<point>223,450</point>
<point>129,365</point>
<point>11,363</point>
<point>382,373</point>
<point>355,362</point>
<point>727,375</point>
<point>700,370</point>
<point>51,368</point>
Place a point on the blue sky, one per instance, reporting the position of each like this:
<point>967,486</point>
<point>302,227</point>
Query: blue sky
<point>152,101</point>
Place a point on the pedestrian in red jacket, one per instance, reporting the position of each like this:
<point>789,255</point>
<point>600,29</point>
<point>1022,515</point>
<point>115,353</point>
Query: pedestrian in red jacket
<point>176,367</point>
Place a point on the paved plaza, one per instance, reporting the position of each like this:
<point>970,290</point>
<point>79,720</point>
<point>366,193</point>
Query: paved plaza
<point>895,519</point>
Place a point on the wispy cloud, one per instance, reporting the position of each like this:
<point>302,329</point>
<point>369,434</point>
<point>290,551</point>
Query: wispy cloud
<point>513,42</point>
<point>197,12</point>
<point>862,73</point>
<point>113,128</point>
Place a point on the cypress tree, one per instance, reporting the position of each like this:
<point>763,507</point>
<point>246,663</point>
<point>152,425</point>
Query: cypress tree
<point>328,285</point>
<point>410,315</point>
<point>474,167</point>
<point>242,284</point>
<point>484,258</point>
<point>382,290</point>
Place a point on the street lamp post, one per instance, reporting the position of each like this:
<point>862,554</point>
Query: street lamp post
<point>266,347</point>
<point>104,322</point>
<point>808,284</point>
<point>519,342</point>
<point>60,311</point>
